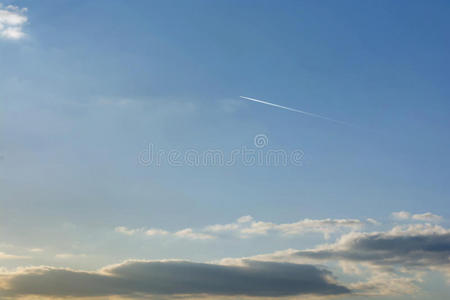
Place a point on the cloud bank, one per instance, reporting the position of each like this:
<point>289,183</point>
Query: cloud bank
<point>133,278</point>
<point>414,246</point>
<point>388,262</point>
<point>393,262</point>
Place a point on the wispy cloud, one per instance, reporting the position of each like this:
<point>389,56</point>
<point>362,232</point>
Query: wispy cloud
<point>425,217</point>
<point>246,227</point>
<point>69,256</point>
<point>127,231</point>
<point>155,232</point>
<point>188,233</point>
<point>36,250</point>
<point>6,256</point>
<point>12,20</point>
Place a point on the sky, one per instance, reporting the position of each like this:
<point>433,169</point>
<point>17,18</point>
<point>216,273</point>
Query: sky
<point>132,168</point>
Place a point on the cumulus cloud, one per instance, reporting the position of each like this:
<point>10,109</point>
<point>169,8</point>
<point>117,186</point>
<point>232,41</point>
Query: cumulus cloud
<point>385,262</point>
<point>146,278</point>
<point>395,259</point>
<point>12,20</point>
<point>406,246</point>
<point>379,263</point>
<point>425,217</point>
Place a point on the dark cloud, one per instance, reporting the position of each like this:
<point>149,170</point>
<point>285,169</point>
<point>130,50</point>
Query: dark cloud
<point>176,278</point>
<point>427,247</point>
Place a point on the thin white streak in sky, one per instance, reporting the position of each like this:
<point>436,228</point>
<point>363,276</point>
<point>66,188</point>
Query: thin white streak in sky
<point>295,110</point>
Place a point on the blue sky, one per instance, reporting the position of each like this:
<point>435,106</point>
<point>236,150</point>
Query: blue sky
<point>86,87</point>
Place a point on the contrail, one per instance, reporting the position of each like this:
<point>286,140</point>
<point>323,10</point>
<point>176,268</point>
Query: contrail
<point>295,110</point>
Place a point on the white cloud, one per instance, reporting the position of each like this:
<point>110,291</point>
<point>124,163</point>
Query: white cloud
<point>401,215</point>
<point>257,228</point>
<point>324,226</point>
<point>36,250</point>
<point>188,233</point>
<point>127,231</point>
<point>69,256</point>
<point>11,256</point>
<point>425,217</point>
<point>154,232</point>
<point>12,20</point>
<point>217,228</point>
<point>387,284</point>
<point>246,227</point>
<point>244,219</point>
<point>373,221</point>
